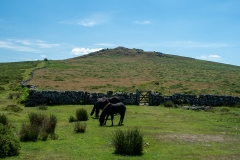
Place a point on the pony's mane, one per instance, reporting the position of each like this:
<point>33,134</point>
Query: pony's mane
<point>104,112</point>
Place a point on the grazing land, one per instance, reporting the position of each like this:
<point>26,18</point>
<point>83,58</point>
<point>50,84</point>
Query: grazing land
<point>172,133</point>
<point>167,134</point>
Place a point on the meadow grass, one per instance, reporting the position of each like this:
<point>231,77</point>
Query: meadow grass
<point>167,134</point>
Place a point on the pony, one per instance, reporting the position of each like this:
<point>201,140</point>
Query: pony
<point>101,103</point>
<point>111,109</point>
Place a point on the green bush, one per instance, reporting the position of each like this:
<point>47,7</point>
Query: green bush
<point>24,93</point>
<point>2,89</point>
<point>128,143</point>
<point>80,127</point>
<point>36,118</point>
<point>50,124</point>
<point>29,132</point>
<point>72,119</point>
<point>43,107</point>
<point>13,108</point>
<point>4,120</point>
<point>81,114</point>
<point>168,104</point>
<point>9,144</point>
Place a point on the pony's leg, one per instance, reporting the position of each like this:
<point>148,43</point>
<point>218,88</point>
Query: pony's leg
<point>97,112</point>
<point>112,117</point>
<point>122,117</point>
<point>106,119</point>
<point>120,120</point>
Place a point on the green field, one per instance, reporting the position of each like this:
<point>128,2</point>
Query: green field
<point>168,134</point>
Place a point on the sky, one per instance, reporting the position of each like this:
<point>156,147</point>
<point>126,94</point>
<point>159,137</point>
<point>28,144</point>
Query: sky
<point>61,29</point>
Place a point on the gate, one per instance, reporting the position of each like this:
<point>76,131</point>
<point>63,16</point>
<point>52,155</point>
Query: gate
<point>143,97</point>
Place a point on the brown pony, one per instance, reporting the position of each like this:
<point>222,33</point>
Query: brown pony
<point>111,109</point>
<point>101,103</point>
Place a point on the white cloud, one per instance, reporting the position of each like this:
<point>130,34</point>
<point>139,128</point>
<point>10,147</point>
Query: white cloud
<point>87,22</point>
<point>16,47</point>
<point>211,57</point>
<point>25,45</point>
<point>84,51</point>
<point>214,56</point>
<point>43,56</point>
<point>142,22</point>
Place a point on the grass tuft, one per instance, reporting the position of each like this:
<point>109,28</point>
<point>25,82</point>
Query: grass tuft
<point>128,143</point>
<point>80,127</point>
<point>81,114</point>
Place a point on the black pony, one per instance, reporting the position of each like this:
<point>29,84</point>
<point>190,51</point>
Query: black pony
<point>101,103</point>
<point>111,109</point>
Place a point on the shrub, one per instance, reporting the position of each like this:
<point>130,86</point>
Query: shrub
<point>128,143</point>
<point>4,120</point>
<point>42,107</point>
<point>13,108</point>
<point>29,132</point>
<point>54,136</point>
<point>50,124</point>
<point>80,127</point>
<point>2,89</point>
<point>24,93</point>
<point>10,96</point>
<point>168,104</point>
<point>72,119</point>
<point>9,145</point>
<point>81,114</point>
<point>36,118</point>
<point>43,136</point>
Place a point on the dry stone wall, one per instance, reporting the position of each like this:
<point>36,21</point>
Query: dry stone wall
<point>201,100</point>
<point>37,97</point>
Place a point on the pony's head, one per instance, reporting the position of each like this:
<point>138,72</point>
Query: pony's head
<point>103,114</point>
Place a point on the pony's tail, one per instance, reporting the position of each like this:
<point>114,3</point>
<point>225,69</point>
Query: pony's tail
<point>94,107</point>
<point>102,116</point>
<point>123,115</point>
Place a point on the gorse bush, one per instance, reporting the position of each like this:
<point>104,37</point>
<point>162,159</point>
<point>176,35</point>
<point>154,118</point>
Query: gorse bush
<point>9,144</point>
<point>80,127</point>
<point>128,143</point>
<point>81,114</point>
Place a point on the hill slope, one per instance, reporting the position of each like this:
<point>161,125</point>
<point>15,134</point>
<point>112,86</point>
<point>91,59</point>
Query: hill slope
<point>123,69</point>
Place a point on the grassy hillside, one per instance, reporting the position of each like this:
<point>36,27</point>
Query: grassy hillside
<point>123,69</point>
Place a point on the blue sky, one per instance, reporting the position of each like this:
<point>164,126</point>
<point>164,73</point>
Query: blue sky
<point>61,29</point>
